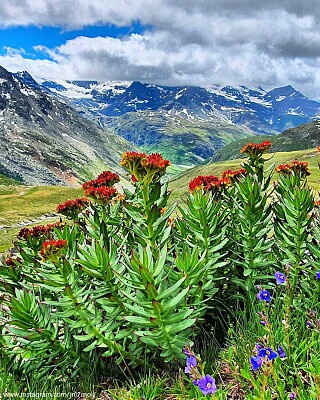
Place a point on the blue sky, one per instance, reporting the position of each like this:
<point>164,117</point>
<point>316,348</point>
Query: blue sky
<point>180,42</point>
<point>26,38</point>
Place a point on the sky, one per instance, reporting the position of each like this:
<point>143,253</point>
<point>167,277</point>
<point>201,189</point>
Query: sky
<point>171,42</point>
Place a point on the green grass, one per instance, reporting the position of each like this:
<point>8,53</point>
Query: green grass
<point>4,180</point>
<point>179,185</point>
<point>21,203</point>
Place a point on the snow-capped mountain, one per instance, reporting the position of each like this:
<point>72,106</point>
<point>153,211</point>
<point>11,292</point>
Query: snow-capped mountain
<point>187,123</point>
<point>44,141</point>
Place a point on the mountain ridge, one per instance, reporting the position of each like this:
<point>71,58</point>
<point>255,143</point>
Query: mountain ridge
<point>188,124</point>
<point>46,142</point>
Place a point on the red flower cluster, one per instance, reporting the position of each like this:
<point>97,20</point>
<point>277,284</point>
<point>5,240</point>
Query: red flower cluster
<point>38,231</point>
<point>155,161</point>
<point>130,157</point>
<point>296,167</point>
<point>52,247</point>
<point>234,175</point>
<point>141,165</point>
<point>203,182</point>
<point>71,207</point>
<point>106,178</point>
<point>209,182</point>
<point>255,149</point>
<point>103,193</point>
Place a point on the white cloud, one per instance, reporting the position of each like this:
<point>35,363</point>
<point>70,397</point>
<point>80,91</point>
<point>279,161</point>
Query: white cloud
<point>251,42</point>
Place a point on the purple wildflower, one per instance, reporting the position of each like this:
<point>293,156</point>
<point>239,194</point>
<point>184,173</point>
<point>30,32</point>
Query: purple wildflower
<point>207,384</point>
<point>263,323</point>
<point>187,351</point>
<point>268,353</point>
<point>258,346</point>
<point>309,323</point>
<point>264,295</point>
<point>281,352</point>
<point>280,278</point>
<point>256,362</point>
<point>292,395</point>
<point>318,274</point>
<point>191,363</point>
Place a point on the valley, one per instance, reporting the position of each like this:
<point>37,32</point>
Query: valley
<point>188,124</point>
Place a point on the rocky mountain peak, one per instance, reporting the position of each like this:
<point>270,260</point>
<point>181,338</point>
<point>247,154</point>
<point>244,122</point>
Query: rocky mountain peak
<point>44,141</point>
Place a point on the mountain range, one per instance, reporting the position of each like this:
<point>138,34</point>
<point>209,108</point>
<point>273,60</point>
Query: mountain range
<point>62,132</point>
<point>187,124</point>
<point>46,142</point>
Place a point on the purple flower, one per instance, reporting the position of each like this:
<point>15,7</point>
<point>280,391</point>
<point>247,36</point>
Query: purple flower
<point>309,323</point>
<point>292,395</point>
<point>256,362</point>
<point>191,362</point>
<point>281,352</point>
<point>318,274</point>
<point>258,346</point>
<point>186,351</point>
<point>263,323</point>
<point>207,385</point>
<point>280,278</point>
<point>264,295</point>
<point>268,353</point>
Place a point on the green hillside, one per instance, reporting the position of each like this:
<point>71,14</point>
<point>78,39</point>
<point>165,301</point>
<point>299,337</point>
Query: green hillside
<point>179,185</point>
<point>180,140</point>
<point>304,136</point>
<point>26,204</point>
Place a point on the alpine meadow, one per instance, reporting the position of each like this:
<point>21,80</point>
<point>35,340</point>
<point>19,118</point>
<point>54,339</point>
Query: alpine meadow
<point>159,200</point>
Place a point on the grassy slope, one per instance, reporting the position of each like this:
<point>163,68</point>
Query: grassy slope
<point>179,185</point>
<point>305,136</point>
<point>21,203</point>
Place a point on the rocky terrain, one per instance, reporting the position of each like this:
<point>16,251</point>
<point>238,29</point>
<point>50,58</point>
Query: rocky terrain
<point>46,142</point>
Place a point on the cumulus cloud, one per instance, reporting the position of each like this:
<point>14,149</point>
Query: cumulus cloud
<point>251,42</point>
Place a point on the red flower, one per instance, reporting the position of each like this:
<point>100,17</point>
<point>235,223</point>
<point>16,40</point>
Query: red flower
<point>202,182</point>
<point>255,149</point>
<point>301,167</point>
<point>103,193</point>
<point>283,168</point>
<point>72,207</point>
<point>209,182</point>
<point>222,183</point>
<point>155,161</point>
<point>144,167</point>
<point>106,178</point>
<point>317,204</point>
<point>52,247</point>
<point>130,157</point>
<point>38,231</point>
<point>234,175</point>
<point>318,148</point>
